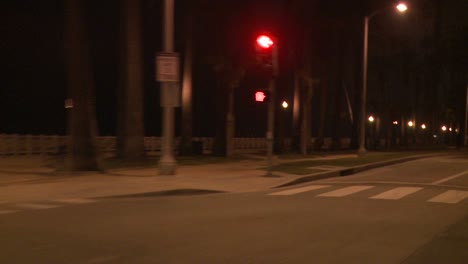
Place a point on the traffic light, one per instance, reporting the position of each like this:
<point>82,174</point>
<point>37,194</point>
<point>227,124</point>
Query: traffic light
<point>263,50</point>
<point>264,42</point>
<point>261,96</point>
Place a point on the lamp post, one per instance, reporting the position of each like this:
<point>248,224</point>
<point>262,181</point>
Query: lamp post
<point>362,130</point>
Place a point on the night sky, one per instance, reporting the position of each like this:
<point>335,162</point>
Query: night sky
<point>33,85</point>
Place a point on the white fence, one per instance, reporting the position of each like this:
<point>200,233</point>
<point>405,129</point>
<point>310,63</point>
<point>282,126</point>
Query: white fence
<point>13,144</point>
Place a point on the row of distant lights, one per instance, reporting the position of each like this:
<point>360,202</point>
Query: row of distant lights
<point>411,124</point>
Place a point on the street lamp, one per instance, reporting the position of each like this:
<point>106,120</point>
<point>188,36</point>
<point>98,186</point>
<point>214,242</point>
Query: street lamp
<point>285,104</point>
<point>362,133</point>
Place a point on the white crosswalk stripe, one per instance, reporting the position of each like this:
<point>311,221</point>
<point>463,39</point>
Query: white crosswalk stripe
<point>396,193</point>
<point>35,206</point>
<point>346,191</point>
<point>450,197</point>
<point>300,190</point>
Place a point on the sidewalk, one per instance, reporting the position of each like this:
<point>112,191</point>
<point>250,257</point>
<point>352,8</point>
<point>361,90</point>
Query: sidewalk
<point>25,178</point>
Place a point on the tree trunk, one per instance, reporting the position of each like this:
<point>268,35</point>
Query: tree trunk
<point>130,134</point>
<point>323,108</point>
<point>81,154</point>
<point>187,123</point>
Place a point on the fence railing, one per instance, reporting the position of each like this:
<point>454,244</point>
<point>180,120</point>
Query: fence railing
<point>14,144</point>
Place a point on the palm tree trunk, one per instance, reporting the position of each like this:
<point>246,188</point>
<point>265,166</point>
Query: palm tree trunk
<point>131,129</point>
<point>81,154</point>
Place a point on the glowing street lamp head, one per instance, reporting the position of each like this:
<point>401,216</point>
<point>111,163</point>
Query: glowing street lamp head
<point>423,126</point>
<point>285,104</point>
<point>371,119</point>
<point>444,128</point>
<point>410,123</point>
<point>402,7</point>
<point>264,41</point>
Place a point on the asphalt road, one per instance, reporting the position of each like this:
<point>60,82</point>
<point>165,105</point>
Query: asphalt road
<point>416,212</point>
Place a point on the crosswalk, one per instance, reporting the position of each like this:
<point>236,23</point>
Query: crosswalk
<point>392,193</point>
<point>7,208</point>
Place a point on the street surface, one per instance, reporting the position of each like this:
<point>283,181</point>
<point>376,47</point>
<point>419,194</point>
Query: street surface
<point>414,212</point>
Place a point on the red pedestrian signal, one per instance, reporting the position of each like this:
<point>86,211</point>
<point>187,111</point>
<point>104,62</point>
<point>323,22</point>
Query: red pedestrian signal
<point>260,96</point>
<point>264,41</point>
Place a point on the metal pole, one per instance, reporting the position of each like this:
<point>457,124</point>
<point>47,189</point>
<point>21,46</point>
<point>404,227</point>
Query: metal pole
<point>362,128</point>
<point>465,141</point>
<point>271,112</point>
<point>167,163</point>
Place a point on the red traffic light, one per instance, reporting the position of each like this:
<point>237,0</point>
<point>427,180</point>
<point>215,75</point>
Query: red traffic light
<point>260,96</point>
<point>264,41</point>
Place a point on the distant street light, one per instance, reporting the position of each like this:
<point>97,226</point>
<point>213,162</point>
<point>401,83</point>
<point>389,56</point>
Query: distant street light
<point>395,122</point>
<point>402,7</point>
<point>410,123</point>
<point>444,128</point>
<point>285,104</point>
<point>362,133</point>
<point>371,119</point>
<point>423,126</point>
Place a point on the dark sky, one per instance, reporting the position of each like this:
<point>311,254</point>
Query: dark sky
<point>33,77</point>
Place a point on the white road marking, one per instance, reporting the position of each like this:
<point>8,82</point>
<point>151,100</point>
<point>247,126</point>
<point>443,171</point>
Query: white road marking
<point>396,193</point>
<point>451,197</point>
<point>300,190</point>
<point>2,212</point>
<point>35,206</point>
<point>346,191</point>
<point>75,201</point>
<point>450,178</point>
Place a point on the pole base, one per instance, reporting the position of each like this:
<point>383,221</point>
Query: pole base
<point>167,167</point>
<point>362,151</point>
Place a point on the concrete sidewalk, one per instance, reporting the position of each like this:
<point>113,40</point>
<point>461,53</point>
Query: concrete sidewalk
<point>28,179</point>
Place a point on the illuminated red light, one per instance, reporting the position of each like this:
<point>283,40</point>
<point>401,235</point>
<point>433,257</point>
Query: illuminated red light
<point>260,96</point>
<point>265,41</point>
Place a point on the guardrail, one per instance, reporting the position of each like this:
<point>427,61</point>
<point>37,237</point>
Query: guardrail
<point>14,144</point>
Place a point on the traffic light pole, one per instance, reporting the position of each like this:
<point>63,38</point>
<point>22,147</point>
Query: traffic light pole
<point>167,163</point>
<point>271,112</point>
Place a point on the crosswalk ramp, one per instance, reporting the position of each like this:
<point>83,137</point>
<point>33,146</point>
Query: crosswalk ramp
<point>391,193</point>
<point>7,208</point>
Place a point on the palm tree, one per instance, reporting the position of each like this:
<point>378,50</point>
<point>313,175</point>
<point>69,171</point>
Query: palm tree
<point>130,134</point>
<point>82,154</point>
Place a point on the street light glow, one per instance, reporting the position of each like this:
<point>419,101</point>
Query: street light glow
<point>423,126</point>
<point>402,7</point>
<point>444,128</point>
<point>371,119</point>
<point>285,104</point>
<point>395,122</point>
<point>410,123</point>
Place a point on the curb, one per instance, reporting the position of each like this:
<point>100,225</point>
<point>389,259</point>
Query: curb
<point>173,192</point>
<point>353,170</point>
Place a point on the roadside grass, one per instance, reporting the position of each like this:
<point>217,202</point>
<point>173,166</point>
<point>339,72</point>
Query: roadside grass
<point>306,167</point>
